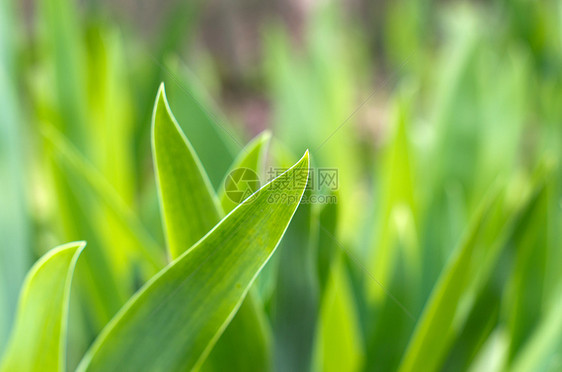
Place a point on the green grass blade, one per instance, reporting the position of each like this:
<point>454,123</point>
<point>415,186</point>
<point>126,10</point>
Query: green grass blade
<point>434,329</point>
<point>128,223</point>
<point>188,203</point>
<point>213,137</point>
<point>396,196</point>
<point>61,36</point>
<point>251,157</point>
<point>14,226</point>
<point>185,308</point>
<point>527,286</point>
<point>38,341</point>
<point>327,245</point>
<point>339,345</point>
<point>295,302</point>
<point>498,220</point>
<point>542,352</point>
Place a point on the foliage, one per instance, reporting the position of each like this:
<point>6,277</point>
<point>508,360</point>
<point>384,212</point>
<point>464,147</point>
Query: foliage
<point>441,252</point>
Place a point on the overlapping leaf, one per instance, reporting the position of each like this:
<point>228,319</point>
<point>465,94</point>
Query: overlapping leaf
<point>244,342</point>
<point>184,308</point>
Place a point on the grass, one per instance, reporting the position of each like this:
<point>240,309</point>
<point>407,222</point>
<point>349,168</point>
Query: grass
<point>441,253</point>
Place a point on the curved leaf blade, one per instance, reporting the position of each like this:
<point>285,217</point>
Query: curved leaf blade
<point>187,200</point>
<point>38,341</point>
<point>185,307</point>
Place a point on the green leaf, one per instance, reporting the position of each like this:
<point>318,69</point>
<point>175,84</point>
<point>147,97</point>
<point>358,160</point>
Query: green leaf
<point>526,290</point>
<point>14,224</point>
<point>396,197</point>
<point>211,134</point>
<point>542,351</point>
<point>432,332</point>
<point>128,223</point>
<point>467,272</point>
<point>327,246</point>
<point>247,329</point>
<point>188,203</point>
<point>339,345</point>
<point>38,340</point>
<point>184,309</point>
<point>295,302</point>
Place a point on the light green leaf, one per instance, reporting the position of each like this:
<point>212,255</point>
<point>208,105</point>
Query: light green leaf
<point>433,329</point>
<point>14,225</point>
<point>295,302</point>
<point>184,309</point>
<point>38,340</point>
<point>543,350</point>
<point>396,197</point>
<point>188,203</point>
<point>213,137</point>
<point>125,219</point>
<point>251,157</point>
<point>466,274</point>
<point>338,342</point>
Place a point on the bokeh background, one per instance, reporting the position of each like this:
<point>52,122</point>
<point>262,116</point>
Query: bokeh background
<point>422,106</point>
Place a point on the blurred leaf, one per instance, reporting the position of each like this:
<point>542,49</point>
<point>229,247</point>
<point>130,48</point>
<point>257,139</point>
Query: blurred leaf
<point>295,300</point>
<point>396,200</point>
<point>104,192</point>
<point>327,246</point>
<point>214,139</point>
<point>527,285</point>
<point>542,352</point>
<point>339,345</point>
<point>468,269</point>
<point>38,341</point>
<point>14,225</point>
<point>185,308</point>
<point>61,34</point>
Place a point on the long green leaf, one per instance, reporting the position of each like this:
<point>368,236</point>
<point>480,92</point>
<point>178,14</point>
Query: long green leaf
<point>14,226</point>
<point>542,351</point>
<point>338,341</point>
<point>188,203</point>
<point>38,341</point>
<point>184,309</point>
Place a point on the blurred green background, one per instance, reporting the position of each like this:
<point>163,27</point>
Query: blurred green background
<point>422,106</point>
